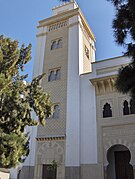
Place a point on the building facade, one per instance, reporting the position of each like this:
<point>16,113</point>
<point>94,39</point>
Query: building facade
<point>91,134</point>
<point>68,53</point>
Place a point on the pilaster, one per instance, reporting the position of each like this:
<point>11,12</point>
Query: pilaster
<point>73,98</point>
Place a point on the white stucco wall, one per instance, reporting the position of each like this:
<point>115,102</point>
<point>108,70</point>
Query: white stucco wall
<point>30,160</point>
<point>81,131</point>
<point>73,97</point>
<point>80,47</point>
<point>4,175</point>
<point>13,173</point>
<point>37,70</point>
<point>108,64</point>
<point>40,50</point>
<point>88,124</point>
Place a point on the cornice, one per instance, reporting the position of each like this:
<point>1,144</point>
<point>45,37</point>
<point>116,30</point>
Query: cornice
<point>104,60</point>
<point>59,17</point>
<point>86,25</point>
<point>73,24</point>
<point>104,85</point>
<point>41,34</point>
<point>65,16</point>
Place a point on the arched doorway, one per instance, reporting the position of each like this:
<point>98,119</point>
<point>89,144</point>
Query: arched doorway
<point>118,157</point>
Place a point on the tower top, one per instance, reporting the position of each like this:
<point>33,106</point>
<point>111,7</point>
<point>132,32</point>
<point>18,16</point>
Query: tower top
<point>65,7</point>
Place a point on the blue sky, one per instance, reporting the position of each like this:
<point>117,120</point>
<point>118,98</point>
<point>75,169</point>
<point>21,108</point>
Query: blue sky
<point>19,18</point>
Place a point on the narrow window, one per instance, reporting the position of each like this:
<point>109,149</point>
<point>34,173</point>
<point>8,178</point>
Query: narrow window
<point>56,111</point>
<point>107,111</point>
<point>125,108</point>
<point>49,172</point>
<point>58,74</point>
<point>86,52</point>
<point>51,76</point>
<point>54,45</point>
<point>132,107</point>
<point>59,45</point>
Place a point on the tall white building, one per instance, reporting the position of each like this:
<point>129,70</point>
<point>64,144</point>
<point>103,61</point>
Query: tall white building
<point>91,134</point>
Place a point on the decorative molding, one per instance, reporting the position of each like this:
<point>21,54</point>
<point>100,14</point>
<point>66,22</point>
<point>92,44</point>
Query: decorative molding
<point>64,16</point>
<point>57,25</point>
<point>41,34</point>
<point>49,151</point>
<point>119,132</point>
<point>73,24</point>
<point>59,17</point>
<point>117,141</point>
<point>104,85</point>
<point>50,138</point>
<point>122,99</point>
<point>104,101</point>
<point>109,69</point>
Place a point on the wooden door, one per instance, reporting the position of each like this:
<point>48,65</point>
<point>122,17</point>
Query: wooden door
<point>123,169</point>
<point>48,173</point>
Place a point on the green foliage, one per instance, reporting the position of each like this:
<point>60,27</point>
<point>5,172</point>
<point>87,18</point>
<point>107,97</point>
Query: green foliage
<point>124,25</point>
<point>124,33</point>
<point>53,166</point>
<point>17,101</point>
<point>13,149</point>
<point>128,75</point>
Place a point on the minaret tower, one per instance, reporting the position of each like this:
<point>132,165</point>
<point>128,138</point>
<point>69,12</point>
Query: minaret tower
<point>65,50</point>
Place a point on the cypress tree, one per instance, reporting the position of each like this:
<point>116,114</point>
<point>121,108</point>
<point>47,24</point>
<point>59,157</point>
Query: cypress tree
<point>18,99</point>
<point>124,33</point>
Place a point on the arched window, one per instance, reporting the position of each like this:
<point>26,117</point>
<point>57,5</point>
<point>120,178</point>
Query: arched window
<point>56,111</point>
<point>51,76</point>
<point>54,74</point>
<point>59,45</point>
<point>132,107</point>
<point>125,108</point>
<point>107,111</point>
<point>58,74</point>
<point>54,45</point>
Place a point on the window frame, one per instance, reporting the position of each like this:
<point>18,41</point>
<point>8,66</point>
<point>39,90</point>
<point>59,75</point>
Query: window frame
<point>55,74</point>
<point>57,45</point>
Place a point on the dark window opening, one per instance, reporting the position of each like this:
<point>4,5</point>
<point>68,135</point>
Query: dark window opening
<point>132,106</point>
<point>87,52</point>
<point>107,111</point>
<point>56,111</point>
<point>51,76</point>
<point>58,74</point>
<point>59,45</point>
<point>54,45</point>
<point>125,108</point>
<point>54,75</point>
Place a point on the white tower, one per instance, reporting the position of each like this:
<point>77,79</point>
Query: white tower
<point>65,50</point>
